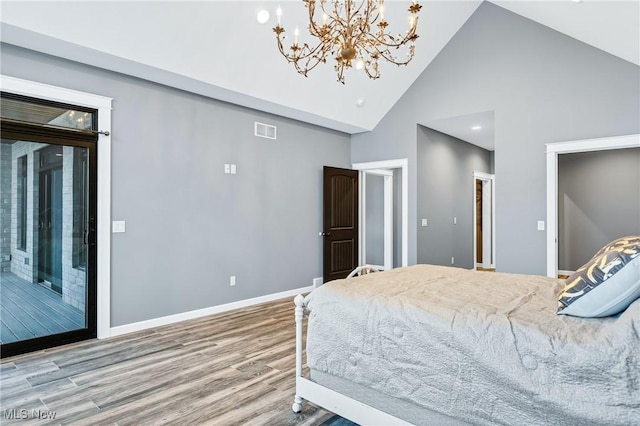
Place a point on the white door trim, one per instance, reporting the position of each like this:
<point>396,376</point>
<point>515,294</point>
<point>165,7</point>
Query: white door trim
<point>387,217</point>
<point>553,150</point>
<point>403,164</point>
<point>103,105</point>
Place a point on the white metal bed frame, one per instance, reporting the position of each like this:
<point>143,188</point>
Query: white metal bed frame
<point>329,399</point>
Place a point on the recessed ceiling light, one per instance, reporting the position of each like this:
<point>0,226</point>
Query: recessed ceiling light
<point>476,128</point>
<point>263,16</point>
<point>360,102</point>
<point>577,1</point>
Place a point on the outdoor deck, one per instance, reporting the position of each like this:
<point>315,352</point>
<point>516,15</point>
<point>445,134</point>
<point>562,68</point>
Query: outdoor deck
<point>29,310</point>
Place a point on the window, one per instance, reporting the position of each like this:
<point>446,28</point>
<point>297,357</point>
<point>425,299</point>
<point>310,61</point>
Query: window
<point>22,202</point>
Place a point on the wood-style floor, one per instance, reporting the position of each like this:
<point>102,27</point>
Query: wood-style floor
<point>235,368</point>
<point>29,310</point>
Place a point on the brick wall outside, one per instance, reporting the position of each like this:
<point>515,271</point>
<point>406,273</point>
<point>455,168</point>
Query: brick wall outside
<point>5,207</point>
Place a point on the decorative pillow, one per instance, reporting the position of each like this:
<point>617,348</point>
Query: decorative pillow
<point>606,284</point>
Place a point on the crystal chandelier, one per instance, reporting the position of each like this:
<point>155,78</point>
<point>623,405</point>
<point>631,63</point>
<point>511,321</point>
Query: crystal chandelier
<point>354,32</point>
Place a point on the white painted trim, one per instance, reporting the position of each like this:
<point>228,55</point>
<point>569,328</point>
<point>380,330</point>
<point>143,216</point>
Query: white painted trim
<point>53,93</point>
<point>362,213</point>
<point>552,214</point>
<point>380,172</point>
<point>553,150</point>
<point>599,144</point>
<point>199,313</point>
<point>103,105</point>
<point>388,221</point>
<point>402,163</point>
<point>482,176</point>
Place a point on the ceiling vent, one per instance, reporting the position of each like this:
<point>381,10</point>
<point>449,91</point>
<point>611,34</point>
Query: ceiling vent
<point>265,131</point>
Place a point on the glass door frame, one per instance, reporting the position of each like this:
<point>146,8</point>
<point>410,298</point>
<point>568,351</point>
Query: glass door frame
<point>56,136</point>
<point>103,104</point>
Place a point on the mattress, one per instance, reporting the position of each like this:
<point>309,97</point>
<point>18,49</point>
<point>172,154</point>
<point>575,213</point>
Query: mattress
<point>484,348</point>
<point>400,408</point>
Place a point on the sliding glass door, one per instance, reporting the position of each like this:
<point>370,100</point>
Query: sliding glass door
<point>48,214</point>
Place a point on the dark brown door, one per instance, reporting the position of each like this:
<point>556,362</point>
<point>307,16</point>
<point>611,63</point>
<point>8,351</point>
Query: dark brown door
<point>340,252</point>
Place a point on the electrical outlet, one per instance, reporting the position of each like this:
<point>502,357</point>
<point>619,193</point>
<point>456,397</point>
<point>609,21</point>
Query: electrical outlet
<point>452,260</point>
<point>233,169</point>
<point>232,280</point>
<point>227,168</point>
<point>317,282</point>
<point>424,222</point>
<point>541,225</point>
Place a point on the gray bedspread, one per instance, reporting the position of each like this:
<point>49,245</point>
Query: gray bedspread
<point>486,348</point>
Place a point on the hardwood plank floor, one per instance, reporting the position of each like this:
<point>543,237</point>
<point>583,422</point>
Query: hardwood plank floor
<point>235,368</point>
<point>29,310</point>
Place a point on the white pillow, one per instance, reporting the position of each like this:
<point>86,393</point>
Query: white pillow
<point>606,284</point>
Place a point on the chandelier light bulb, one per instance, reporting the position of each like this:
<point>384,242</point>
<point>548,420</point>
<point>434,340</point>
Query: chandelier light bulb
<point>263,16</point>
<point>359,64</point>
<point>279,14</point>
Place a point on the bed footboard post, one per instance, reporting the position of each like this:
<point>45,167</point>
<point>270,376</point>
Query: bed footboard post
<point>299,315</point>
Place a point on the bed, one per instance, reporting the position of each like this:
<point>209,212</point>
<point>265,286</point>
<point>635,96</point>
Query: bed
<point>441,345</point>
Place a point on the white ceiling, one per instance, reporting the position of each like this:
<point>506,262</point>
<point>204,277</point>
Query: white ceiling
<point>218,49</point>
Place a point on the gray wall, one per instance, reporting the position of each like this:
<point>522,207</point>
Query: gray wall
<point>446,190</point>
<point>189,225</point>
<point>598,201</point>
<point>543,87</point>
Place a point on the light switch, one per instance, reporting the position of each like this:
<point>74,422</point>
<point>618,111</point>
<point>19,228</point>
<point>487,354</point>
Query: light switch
<point>455,220</point>
<point>227,168</point>
<point>424,222</point>
<point>118,226</point>
<point>233,169</point>
<point>541,225</point>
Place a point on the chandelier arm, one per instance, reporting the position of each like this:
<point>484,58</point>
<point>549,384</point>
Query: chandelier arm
<point>386,54</point>
<point>370,66</point>
<point>374,53</point>
<point>390,41</point>
<point>306,53</point>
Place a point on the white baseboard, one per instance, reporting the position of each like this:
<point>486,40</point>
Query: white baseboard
<point>198,313</point>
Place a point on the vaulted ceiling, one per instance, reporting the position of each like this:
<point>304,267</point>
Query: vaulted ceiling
<point>218,49</point>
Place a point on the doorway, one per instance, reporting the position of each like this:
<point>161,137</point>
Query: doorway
<point>483,221</point>
<point>552,152</point>
<point>49,187</point>
<point>377,219</point>
<point>401,195</point>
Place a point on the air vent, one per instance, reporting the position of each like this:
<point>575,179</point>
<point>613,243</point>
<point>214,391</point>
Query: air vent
<point>265,131</point>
